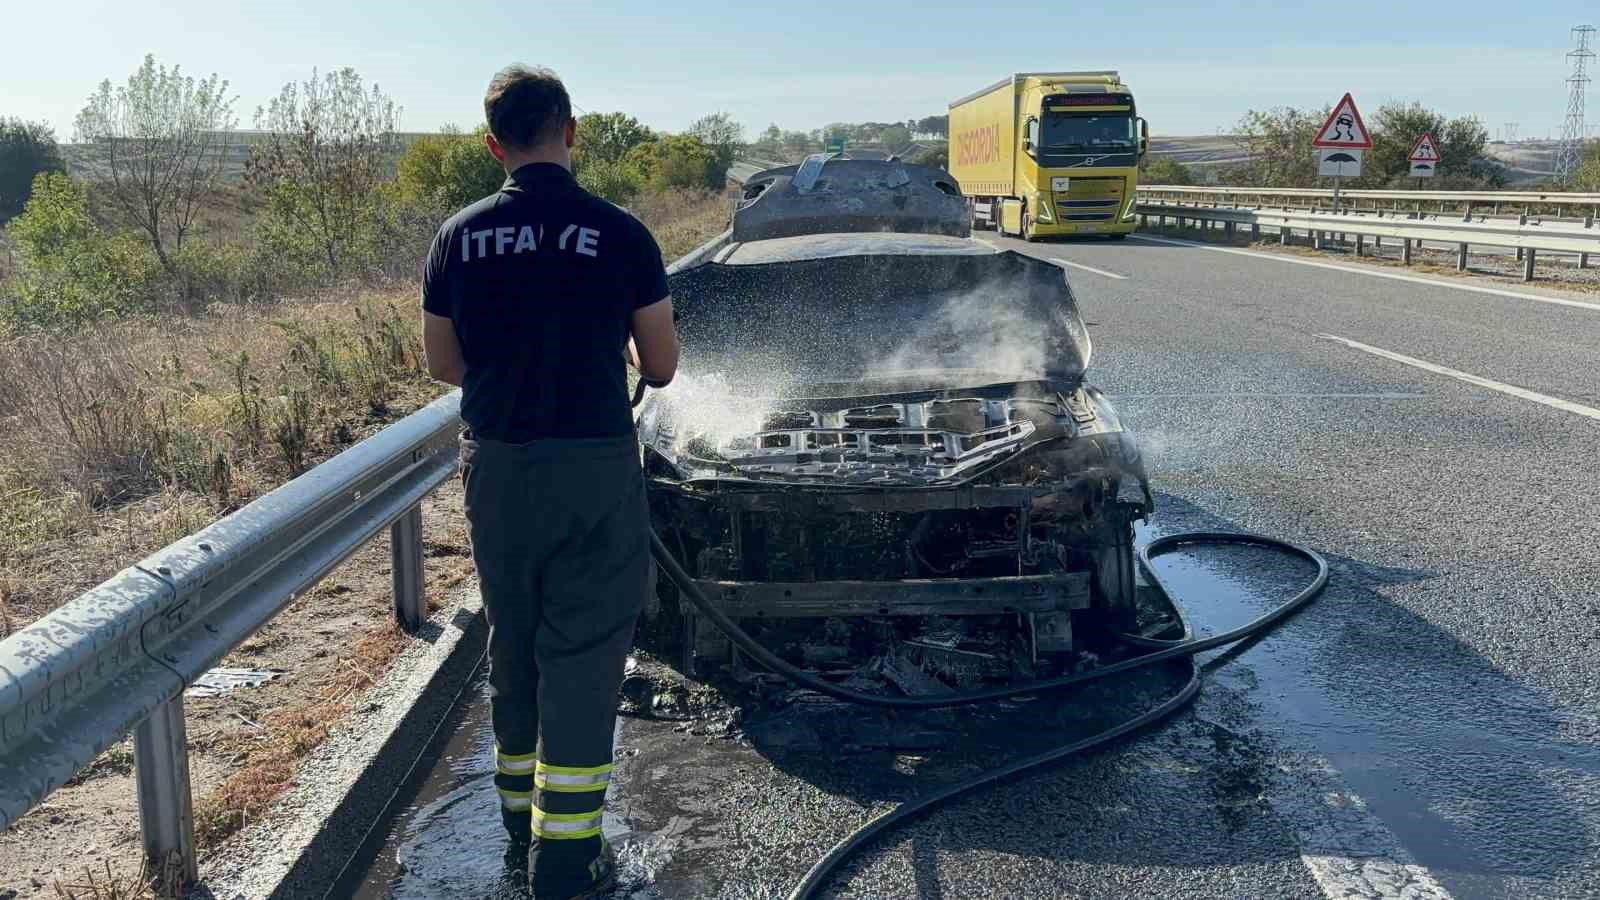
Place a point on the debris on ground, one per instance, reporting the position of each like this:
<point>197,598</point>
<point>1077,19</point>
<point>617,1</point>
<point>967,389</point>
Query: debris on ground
<point>221,681</point>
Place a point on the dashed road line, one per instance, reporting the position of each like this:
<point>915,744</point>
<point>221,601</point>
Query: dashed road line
<point>1375,273</point>
<point>1508,389</point>
<point>1078,265</point>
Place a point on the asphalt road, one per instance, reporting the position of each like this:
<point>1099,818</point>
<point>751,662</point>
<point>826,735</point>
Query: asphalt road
<point>1430,728</point>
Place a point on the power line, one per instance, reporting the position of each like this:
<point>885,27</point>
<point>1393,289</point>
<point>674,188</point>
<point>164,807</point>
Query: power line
<point>1572,131</point>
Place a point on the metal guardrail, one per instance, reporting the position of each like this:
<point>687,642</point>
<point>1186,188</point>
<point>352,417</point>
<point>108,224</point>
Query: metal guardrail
<point>1526,236</point>
<point>119,657</point>
<point>1525,198</point>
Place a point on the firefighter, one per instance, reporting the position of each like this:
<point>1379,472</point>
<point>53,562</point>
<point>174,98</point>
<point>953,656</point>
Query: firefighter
<point>533,298</point>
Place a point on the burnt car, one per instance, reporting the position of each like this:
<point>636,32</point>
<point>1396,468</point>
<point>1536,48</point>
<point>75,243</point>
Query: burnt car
<point>881,441</point>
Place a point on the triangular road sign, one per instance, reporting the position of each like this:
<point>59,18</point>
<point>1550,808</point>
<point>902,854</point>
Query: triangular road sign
<point>1426,149</point>
<point>1344,128</point>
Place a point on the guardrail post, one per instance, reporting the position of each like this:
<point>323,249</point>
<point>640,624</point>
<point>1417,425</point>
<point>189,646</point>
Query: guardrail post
<point>1361,243</point>
<point>1317,238</point>
<point>1405,251</point>
<point>1523,220</point>
<point>166,813</point>
<point>1461,258</point>
<point>1283,235</point>
<point>1527,265</point>
<point>1255,232</point>
<point>1227,229</point>
<point>405,547</point>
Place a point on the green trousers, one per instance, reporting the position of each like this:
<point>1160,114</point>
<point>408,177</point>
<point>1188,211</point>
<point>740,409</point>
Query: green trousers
<point>560,537</point>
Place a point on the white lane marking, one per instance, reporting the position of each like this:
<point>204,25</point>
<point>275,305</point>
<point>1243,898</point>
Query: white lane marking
<point>1375,273</point>
<point>1347,849</point>
<point>1078,265</point>
<point>988,243</point>
<point>1511,389</point>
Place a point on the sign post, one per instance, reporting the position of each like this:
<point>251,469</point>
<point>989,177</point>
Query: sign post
<point>1424,156</point>
<point>1341,141</point>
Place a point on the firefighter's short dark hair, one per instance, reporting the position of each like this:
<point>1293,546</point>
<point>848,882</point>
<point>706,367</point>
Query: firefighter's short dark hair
<point>526,105</point>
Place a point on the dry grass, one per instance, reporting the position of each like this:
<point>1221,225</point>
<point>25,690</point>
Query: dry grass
<point>109,885</point>
<point>268,756</point>
<point>683,220</point>
<point>120,439</point>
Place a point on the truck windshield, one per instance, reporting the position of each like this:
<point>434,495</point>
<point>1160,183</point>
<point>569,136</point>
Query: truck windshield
<point>1087,133</point>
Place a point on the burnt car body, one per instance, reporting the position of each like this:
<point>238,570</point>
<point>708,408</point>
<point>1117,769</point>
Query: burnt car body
<point>881,436</point>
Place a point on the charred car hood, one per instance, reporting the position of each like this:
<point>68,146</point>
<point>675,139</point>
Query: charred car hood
<point>871,368</point>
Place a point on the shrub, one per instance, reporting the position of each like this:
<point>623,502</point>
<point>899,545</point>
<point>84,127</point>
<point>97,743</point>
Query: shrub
<point>72,270</point>
<point>450,169</point>
<point>675,162</point>
<point>1154,170</point>
<point>618,181</point>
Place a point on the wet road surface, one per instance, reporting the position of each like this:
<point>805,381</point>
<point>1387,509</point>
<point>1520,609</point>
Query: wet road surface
<point>1429,728</point>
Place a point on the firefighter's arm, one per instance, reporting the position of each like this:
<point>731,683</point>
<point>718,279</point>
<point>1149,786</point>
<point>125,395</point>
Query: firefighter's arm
<point>443,349</point>
<point>653,346</point>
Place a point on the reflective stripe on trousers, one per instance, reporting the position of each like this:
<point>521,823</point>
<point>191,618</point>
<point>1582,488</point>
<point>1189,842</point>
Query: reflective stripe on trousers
<point>571,779</point>
<point>513,763</point>
<point>567,826</point>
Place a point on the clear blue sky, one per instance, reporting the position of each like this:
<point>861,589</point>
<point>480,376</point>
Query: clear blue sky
<point>1195,67</point>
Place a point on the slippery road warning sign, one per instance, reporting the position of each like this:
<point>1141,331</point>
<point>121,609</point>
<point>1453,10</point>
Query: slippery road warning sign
<point>1424,156</point>
<point>1344,129</point>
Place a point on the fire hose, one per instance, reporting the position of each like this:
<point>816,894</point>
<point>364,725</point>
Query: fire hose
<point>1161,651</point>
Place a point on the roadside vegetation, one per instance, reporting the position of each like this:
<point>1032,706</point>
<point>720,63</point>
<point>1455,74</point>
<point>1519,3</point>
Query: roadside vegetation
<point>1277,143</point>
<point>191,315</point>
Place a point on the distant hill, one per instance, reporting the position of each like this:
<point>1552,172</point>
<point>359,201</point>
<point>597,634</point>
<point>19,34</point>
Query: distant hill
<point>236,146</point>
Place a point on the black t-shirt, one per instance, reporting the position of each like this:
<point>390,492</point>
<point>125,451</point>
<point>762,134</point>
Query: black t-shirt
<point>541,280</point>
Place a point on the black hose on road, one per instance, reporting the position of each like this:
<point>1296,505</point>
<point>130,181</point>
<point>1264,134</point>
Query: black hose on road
<point>1187,646</point>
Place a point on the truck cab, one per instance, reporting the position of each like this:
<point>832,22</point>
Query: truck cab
<point>1079,160</point>
<point>1062,157</point>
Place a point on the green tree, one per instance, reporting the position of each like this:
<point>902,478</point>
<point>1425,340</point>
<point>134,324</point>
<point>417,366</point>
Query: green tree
<point>1587,176</point>
<point>674,161</point>
<point>771,141</point>
<point>158,141</point>
<point>725,139</point>
<point>607,137</point>
<point>326,155</point>
<point>72,270</point>
<point>895,138</point>
<point>797,143</point>
<point>449,168</point>
<point>55,219</point>
<point>618,181</point>
<point>939,125</point>
<point>1462,142</point>
<point>1159,170</point>
<point>26,149</point>
<point>1277,143</point>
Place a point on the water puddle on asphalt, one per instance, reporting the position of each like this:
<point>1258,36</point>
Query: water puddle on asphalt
<point>1377,709</point>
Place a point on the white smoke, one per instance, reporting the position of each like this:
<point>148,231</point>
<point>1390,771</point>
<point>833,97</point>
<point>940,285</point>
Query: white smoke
<point>978,329</point>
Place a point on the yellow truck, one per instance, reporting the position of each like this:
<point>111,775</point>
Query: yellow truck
<point>1048,153</point>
